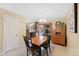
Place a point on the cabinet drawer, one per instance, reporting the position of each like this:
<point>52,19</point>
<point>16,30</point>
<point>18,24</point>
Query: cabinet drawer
<point>55,39</point>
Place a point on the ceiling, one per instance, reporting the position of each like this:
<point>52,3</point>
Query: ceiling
<point>35,11</point>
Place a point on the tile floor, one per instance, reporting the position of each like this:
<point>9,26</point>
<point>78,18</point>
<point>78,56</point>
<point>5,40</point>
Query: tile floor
<point>56,50</point>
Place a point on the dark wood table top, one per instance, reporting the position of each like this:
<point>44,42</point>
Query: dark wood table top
<point>39,40</point>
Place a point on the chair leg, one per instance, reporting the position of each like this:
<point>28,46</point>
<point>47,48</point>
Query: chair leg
<point>47,51</point>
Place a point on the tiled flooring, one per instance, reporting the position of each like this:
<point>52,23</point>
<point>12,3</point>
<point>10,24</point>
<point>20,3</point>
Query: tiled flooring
<point>56,50</point>
<point>59,51</point>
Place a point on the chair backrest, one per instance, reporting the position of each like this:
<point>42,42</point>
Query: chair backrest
<point>32,34</point>
<point>48,40</point>
<point>27,41</point>
<point>47,33</point>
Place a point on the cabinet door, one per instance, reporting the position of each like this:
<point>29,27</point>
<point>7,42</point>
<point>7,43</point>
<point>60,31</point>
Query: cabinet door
<point>56,39</point>
<point>62,41</point>
<point>11,39</point>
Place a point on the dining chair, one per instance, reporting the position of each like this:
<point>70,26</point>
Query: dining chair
<point>32,34</point>
<point>46,45</point>
<point>31,48</point>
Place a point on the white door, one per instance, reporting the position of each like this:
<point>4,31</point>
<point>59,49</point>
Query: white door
<point>11,39</point>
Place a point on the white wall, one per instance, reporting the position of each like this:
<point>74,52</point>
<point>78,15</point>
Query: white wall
<point>72,38</point>
<point>39,10</point>
<point>20,28</point>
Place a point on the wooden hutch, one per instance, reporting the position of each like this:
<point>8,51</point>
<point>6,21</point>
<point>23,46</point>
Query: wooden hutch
<point>59,33</point>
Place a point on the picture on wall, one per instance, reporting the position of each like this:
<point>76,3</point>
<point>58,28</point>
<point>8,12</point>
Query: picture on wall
<point>73,19</point>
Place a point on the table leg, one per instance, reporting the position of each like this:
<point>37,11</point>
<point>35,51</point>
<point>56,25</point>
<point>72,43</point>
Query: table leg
<point>40,51</point>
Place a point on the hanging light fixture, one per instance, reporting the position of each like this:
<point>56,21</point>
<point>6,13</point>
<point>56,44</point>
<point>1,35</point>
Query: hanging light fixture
<point>42,20</point>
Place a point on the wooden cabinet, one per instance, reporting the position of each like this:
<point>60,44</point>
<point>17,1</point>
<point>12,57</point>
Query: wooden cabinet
<point>59,34</point>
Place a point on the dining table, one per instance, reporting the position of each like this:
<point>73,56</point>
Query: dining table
<point>39,40</point>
